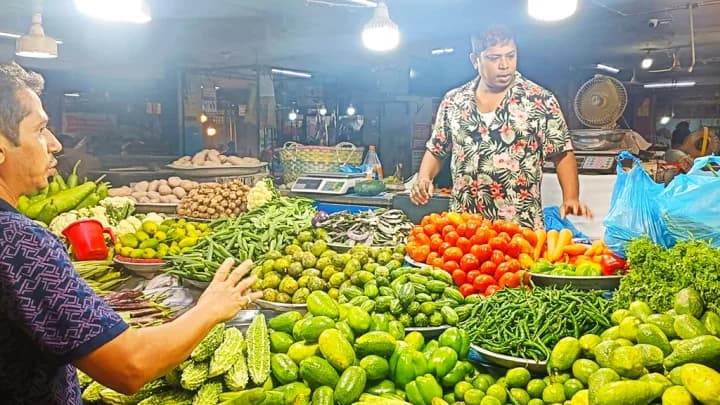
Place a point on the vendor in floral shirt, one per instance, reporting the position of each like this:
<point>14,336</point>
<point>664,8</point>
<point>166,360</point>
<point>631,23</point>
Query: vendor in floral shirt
<point>498,129</point>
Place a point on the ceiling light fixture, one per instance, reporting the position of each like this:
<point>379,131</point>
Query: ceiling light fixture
<point>293,115</point>
<point>291,73</point>
<point>72,94</point>
<point>350,110</point>
<point>664,119</point>
<point>36,44</point>
<point>203,118</point>
<point>647,62</point>
<point>130,11</point>
<point>442,51</point>
<point>16,36</point>
<point>381,34</point>
<point>210,130</point>
<point>607,68</point>
<point>669,85</point>
<point>551,10</point>
<point>322,111</point>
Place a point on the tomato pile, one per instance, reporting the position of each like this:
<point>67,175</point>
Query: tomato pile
<point>482,256</point>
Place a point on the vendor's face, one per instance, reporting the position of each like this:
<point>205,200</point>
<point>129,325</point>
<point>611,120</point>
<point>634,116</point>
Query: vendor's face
<point>26,167</point>
<point>497,65</point>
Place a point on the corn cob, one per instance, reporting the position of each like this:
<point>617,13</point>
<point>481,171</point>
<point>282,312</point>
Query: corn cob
<point>194,376</point>
<point>228,352</point>
<point>92,392</point>
<point>258,349</point>
<point>237,378</point>
<point>176,397</point>
<point>205,349</point>
<point>208,394</point>
<point>112,397</point>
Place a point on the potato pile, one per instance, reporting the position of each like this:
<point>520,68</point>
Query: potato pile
<point>169,191</point>
<point>214,200</point>
<point>213,158</point>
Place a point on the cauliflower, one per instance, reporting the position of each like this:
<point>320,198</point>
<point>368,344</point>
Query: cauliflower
<point>118,208</point>
<point>60,222</point>
<point>154,217</point>
<point>260,194</point>
<point>128,225</point>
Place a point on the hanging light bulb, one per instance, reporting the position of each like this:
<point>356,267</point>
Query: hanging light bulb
<point>35,44</point>
<point>551,10</point>
<point>203,118</point>
<point>647,62</point>
<point>664,119</point>
<point>210,130</point>
<point>293,115</point>
<point>322,111</point>
<point>381,34</point>
<point>350,110</point>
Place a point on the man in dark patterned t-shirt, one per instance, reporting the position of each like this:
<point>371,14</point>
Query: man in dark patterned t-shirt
<point>50,319</point>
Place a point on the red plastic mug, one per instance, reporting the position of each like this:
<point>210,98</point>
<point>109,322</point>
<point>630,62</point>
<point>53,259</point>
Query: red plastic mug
<point>87,240</point>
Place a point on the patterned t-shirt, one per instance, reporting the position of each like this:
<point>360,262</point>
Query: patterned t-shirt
<point>497,168</point>
<point>49,317</point>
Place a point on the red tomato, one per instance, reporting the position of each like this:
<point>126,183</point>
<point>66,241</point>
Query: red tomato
<point>524,277</point>
<point>443,247</point>
<point>513,265</point>
<point>439,263</point>
<point>422,239</point>
<point>482,282</point>
<point>440,222</point>
<point>459,277</point>
<point>452,238</point>
<point>504,235</point>
<point>464,244</point>
<point>499,243</point>
<point>419,253</point>
<point>481,237</point>
<point>482,252</point>
<point>488,268</point>
<point>461,230</point>
<point>472,227</point>
<point>435,242</point>
<point>497,257</point>
<point>451,266</point>
<point>500,271</point>
<point>510,280</point>
<point>492,233</point>
<point>499,225</point>
<point>469,262</point>
<point>455,218</point>
<point>491,290</point>
<point>514,249</point>
<point>417,229</point>
<point>447,229</point>
<point>426,220</point>
<point>471,275</point>
<point>453,253</point>
<point>430,229</point>
<point>467,289</point>
<point>431,257</point>
<point>511,228</point>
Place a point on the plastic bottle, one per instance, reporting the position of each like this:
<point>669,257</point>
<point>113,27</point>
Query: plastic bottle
<point>372,165</point>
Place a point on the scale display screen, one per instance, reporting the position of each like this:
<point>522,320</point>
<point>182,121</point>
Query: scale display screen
<point>308,184</point>
<point>333,186</point>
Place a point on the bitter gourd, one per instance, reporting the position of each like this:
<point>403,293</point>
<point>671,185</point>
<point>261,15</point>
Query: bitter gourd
<point>151,388</point>
<point>237,378</point>
<point>208,394</point>
<point>92,392</point>
<point>258,349</point>
<point>112,397</point>
<point>228,352</point>
<point>194,376</point>
<point>175,397</point>
<point>207,347</point>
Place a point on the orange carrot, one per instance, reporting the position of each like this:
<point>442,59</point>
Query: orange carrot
<point>552,241</point>
<point>575,250</point>
<point>530,236</point>
<point>541,235</point>
<point>564,239</point>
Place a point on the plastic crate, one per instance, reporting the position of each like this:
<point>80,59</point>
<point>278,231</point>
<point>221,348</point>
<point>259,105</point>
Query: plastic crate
<point>333,208</point>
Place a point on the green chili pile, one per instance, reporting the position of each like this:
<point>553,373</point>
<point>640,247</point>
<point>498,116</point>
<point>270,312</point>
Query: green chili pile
<point>528,324</point>
<point>249,236</point>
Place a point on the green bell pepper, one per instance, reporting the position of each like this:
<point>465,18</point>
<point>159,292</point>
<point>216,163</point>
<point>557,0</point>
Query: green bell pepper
<point>589,269</point>
<point>442,361</point>
<point>412,392</point>
<point>384,386</point>
<point>464,344</point>
<point>379,322</point>
<point>451,338</point>
<point>410,365</point>
<point>429,388</point>
<point>430,347</point>
<point>455,375</point>
<point>542,266</point>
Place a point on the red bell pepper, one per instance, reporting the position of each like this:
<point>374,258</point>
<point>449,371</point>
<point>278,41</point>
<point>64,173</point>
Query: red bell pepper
<point>612,265</point>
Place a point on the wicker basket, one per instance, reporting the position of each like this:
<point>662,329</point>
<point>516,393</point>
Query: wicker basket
<point>300,159</point>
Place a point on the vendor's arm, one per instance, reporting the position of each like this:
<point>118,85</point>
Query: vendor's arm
<point>436,149</point>
<point>558,148</point>
<point>139,355</point>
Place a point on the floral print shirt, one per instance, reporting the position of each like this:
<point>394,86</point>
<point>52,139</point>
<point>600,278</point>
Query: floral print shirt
<point>497,166</point>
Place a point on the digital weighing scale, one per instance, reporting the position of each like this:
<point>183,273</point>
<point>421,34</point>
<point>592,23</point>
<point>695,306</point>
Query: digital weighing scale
<point>590,162</point>
<point>326,183</point>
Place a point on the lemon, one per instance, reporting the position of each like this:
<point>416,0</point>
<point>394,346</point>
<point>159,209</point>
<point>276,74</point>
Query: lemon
<point>517,377</point>
<point>583,368</point>
<point>627,361</point>
<point>677,395</point>
<point>535,388</point>
<point>581,398</point>
<point>520,396</point>
<point>497,391</point>
<point>488,400</point>
<point>572,386</point>
<point>554,393</point>
<point>150,227</point>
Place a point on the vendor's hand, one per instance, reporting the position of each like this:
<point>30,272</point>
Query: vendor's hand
<point>228,292</point>
<point>574,207</point>
<point>421,191</point>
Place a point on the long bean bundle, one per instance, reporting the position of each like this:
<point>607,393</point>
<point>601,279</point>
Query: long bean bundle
<point>528,324</point>
<point>249,236</point>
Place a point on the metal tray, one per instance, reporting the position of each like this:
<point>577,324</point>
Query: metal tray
<point>607,283</point>
<point>340,248</point>
<point>219,171</point>
<point>535,367</point>
<point>276,306</point>
<point>414,263</point>
<point>193,219</point>
<point>243,318</point>
<point>196,283</point>
<point>145,270</point>
<point>428,331</point>
<point>160,208</point>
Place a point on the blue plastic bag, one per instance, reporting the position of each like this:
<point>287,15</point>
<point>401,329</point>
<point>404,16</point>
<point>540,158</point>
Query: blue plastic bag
<point>634,209</point>
<point>553,220</point>
<point>690,204</point>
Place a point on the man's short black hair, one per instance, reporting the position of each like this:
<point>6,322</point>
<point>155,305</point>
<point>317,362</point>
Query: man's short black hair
<point>13,79</point>
<point>493,36</point>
